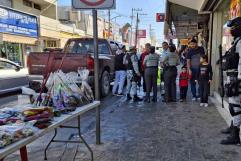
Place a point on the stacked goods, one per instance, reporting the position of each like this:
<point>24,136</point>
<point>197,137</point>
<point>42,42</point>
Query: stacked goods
<point>9,116</point>
<point>14,132</point>
<point>42,116</point>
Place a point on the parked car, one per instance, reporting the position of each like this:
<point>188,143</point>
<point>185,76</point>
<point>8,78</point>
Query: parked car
<point>79,54</point>
<point>12,77</point>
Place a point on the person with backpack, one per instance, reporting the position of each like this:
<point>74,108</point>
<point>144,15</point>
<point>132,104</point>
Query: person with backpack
<point>133,73</point>
<point>231,63</point>
<point>120,71</point>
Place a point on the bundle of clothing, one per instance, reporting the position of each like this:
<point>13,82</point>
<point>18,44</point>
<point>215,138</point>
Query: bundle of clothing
<point>14,132</point>
<point>8,115</point>
<point>41,115</point>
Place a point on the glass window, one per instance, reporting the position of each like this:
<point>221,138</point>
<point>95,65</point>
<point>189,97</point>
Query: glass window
<point>86,46</point>
<point>7,3</point>
<point>5,66</point>
<point>37,6</point>
<point>27,3</point>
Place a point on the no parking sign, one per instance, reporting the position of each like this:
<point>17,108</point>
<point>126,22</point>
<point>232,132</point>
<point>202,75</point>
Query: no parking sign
<point>93,4</point>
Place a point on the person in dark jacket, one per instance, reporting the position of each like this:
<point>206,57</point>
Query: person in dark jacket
<point>120,72</point>
<point>204,78</point>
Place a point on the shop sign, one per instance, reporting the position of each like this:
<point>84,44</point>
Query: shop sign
<point>18,23</point>
<point>184,41</point>
<point>141,33</point>
<point>93,4</point>
<point>234,9</point>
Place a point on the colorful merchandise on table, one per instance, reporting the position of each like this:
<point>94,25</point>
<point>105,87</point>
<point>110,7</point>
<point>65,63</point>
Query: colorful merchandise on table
<point>14,132</point>
<point>8,115</point>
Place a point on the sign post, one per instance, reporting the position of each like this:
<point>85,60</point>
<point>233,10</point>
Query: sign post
<point>94,5</point>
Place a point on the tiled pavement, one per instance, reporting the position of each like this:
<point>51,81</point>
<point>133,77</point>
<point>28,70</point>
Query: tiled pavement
<point>146,132</point>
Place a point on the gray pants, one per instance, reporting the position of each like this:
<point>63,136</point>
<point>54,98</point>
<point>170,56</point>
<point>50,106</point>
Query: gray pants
<point>237,118</point>
<point>131,87</point>
<point>151,81</point>
<point>170,83</point>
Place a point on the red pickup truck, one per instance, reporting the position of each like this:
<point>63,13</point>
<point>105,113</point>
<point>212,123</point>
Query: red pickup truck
<point>79,53</point>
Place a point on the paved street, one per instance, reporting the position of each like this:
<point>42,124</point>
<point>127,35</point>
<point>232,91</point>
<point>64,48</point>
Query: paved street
<point>145,132</point>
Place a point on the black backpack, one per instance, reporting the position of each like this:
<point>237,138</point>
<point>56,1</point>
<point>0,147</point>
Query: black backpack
<point>231,59</point>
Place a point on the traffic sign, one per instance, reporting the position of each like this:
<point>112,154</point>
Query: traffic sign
<point>141,33</point>
<point>93,4</point>
<point>160,17</point>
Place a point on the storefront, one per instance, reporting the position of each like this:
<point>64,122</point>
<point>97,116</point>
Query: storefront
<point>18,34</point>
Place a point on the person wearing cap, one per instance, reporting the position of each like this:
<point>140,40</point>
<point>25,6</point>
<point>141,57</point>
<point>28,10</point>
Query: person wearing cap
<point>133,73</point>
<point>193,63</point>
<point>151,63</point>
<point>234,101</point>
<point>172,61</point>
<point>120,71</point>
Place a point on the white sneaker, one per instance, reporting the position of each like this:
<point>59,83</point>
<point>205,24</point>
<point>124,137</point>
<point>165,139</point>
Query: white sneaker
<point>194,99</point>
<point>206,105</point>
<point>201,104</point>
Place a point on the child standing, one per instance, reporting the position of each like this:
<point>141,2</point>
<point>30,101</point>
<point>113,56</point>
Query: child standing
<point>183,83</point>
<point>204,76</point>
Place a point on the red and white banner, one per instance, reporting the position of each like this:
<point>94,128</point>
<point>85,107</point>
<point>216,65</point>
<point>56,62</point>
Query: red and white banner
<point>93,4</point>
<point>141,33</point>
<point>160,17</point>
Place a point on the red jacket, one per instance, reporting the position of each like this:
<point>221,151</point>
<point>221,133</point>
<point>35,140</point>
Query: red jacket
<point>183,79</point>
<point>143,55</point>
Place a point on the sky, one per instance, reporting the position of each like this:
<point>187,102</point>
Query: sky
<point>149,8</point>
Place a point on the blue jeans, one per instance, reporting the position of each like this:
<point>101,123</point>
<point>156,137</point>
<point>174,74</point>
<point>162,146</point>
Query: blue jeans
<point>194,84</point>
<point>120,77</point>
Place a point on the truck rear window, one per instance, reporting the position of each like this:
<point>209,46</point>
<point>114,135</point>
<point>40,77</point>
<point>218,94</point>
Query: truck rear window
<point>87,47</point>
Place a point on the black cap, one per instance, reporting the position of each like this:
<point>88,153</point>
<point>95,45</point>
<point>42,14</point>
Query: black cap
<point>234,22</point>
<point>194,41</point>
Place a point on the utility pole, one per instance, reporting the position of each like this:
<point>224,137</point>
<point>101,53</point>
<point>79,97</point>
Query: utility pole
<point>137,24</point>
<point>132,16</point>
<point>109,24</point>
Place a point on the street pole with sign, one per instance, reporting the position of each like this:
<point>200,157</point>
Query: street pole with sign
<point>94,6</point>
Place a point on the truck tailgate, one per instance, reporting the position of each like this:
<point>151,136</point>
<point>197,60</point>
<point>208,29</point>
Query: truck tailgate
<point>37,62</point>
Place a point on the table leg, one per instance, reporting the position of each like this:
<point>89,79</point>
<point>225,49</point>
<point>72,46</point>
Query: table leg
<point>24,153</point>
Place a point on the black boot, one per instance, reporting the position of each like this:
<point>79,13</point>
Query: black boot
<point>136,99</point>
<point>128,97</point>
<point>147,99</point>
<point>228,129</point>
<point>233,139</point>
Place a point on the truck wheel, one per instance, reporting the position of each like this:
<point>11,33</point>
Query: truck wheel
<point>105,84</point>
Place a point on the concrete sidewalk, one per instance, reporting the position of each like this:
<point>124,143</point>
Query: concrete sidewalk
<point>146,132</point>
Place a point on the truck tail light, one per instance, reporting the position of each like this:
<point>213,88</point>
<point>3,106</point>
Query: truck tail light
<point>90,63</point>
<point>28,62</point>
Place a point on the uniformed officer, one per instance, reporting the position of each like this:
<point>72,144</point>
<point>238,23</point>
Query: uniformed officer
<point>171,60</point>
<point>234,101</point>
<point>151,63</point>
<point>133,73</point>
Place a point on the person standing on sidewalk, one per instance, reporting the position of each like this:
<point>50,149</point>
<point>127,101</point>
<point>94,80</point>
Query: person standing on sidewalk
<point>151,63</point>
<point>143,55</point>
<point>204,78</point>
<point>165,51</point>
<point>233,71</point>
<point>133,73</point>
<point>183,83</point>
<point>193,64</point>
<point>120,71</point>
<point>171,60</point>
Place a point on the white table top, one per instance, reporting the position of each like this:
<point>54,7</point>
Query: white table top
<point>55,124</point>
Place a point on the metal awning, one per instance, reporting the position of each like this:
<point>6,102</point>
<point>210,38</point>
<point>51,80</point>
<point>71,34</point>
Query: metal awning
<point>17,39</point>
<point>193,4</point>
